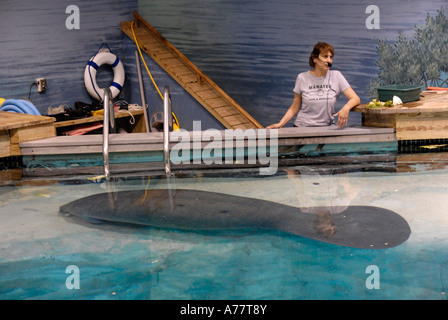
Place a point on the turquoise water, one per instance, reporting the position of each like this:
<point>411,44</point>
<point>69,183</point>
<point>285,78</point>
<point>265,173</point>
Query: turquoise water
<point>37,243</point>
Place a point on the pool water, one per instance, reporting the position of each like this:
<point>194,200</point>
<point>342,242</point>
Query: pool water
<point>39,246</point>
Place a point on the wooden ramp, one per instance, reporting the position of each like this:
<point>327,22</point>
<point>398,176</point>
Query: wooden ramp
<point>188,75</point>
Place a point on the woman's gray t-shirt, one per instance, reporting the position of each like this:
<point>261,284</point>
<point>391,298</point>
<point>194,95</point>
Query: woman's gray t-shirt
<point>319,95</point>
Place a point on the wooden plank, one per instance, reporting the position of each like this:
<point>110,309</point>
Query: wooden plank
<point>331,131</point>
<point>76,148</point>
<point>217,103</point>
<point>422,126</point>
<point>164,55</point>
<point>207,94</point>
<point>224,111</point>
<point>30,133</point>
<point>188,75</point>
<point>378,120</point>
<point>178,70</point>
<point>196,86</point>
<point>11,120</point>
<point>416,120</point>
<point>154,47</point>
<point>18,127</point>
<point>118,115</point>
<point>171,62</point>
<point>15,149</point>
<point>141,142</point>
<point>293,141</point>
<point>429,102</point>
<point>235,120</point>
<point>186,79</point>
<point>4,144</point>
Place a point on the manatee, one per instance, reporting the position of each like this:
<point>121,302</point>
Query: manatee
<point>366,227</point>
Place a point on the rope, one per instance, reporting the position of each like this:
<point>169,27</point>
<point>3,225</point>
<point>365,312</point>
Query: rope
<point>150,75</point>
<point>143,59</point>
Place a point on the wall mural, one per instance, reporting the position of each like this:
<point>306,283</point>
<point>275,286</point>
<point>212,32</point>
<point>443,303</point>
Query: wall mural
<point>252,49</point>
<point>255,49</point>
<point>423,56</point>
<point>54,40</point>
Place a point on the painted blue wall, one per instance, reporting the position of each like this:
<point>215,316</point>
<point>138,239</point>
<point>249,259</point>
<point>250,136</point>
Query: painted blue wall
<point>254,49</point>
<point>35,42</point>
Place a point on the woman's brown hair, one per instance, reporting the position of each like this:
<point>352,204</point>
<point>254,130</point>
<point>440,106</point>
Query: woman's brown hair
<point>320,47</point>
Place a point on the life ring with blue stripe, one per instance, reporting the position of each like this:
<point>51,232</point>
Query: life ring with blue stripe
<point>90,74</point>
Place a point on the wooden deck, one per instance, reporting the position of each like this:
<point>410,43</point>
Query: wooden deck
<point>143,152</point>
<point>139,153</point>
<point>17,127</point>
<point>149,142</point>
<point>426,118</point>
<point>188,75</point>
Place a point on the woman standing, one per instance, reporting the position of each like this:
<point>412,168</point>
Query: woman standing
<point>316,92</point>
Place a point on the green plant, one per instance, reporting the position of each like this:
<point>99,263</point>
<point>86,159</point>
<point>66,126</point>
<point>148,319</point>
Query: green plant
<point>418,60</point>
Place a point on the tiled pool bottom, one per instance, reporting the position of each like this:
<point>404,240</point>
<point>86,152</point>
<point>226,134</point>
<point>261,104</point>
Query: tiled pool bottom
<point>39,246</point>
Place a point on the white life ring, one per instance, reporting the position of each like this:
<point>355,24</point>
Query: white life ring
<point>90,74</point>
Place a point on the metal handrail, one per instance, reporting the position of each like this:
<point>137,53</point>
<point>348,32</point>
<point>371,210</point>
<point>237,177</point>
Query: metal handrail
<point>108,121</point>
<point>142,92</point>
<point>167,127</point>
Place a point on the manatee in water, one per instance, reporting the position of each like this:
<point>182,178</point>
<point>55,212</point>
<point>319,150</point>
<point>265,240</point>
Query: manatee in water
<point>354,226</point>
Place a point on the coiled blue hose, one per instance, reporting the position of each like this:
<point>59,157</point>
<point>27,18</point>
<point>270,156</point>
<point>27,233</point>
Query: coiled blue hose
<point>19,106</point>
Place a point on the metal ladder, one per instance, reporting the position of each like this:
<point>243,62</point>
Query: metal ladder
<point>108,120</point>
<point>167,127</point>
